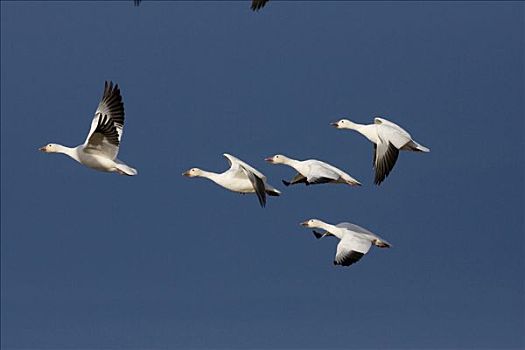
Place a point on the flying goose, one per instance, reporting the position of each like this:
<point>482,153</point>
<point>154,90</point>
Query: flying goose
<point>355,241</point>
<point>100,149</point>
<point>313,171</point>
<point>240,177</point>
<point>388,139</point>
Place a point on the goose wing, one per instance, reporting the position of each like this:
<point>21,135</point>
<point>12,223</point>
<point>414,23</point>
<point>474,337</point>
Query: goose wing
<point>107,125</point>
<point>384,122</point>
<point>351,249</point>
<point>364,233</point>
<point>236,162</point>
<point>258,185</point>
<point>319,172</point>
<point>258,4</point>
<point>390,140</point>
<point>257,179</point>
<point>298,178</point>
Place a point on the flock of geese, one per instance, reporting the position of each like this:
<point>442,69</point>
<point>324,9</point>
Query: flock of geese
<point>100,149</point>
<point>255,6</point>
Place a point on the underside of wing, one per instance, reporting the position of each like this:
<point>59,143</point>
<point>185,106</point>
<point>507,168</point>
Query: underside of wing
<point>351,249</point>
<point>298,178</point>
<point>236,162</point>
<point>384,160</point>
<point>348,258</point>
<point>320,173</point>
<point>108,123</point>
<point>319,180</point>
<point>258,186</point>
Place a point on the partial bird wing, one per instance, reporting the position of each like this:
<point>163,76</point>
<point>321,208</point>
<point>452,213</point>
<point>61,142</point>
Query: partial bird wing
<point>354,228</point>
<point>136,2</point>
<point>320,172</point>
<point>391,139</point>
<point>384,122</point>
<point>258,4</point>
<point>236,162</point>
<point>385,157</point>
<point>108,123</point>
<point>258,185</point>
<point>351,249</point>
<point>364,233</point>
<point>298,178</point>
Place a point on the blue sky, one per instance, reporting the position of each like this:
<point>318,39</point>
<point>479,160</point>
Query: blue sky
<point>95,260</point>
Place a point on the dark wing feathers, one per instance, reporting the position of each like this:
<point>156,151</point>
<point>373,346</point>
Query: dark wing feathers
<point>258,185</point>
<point>349,258</point>
<point>385,165</point>
<point>258,4</point>
<point>110,113</point>
<point>320,180</point>
<point>298,178</point>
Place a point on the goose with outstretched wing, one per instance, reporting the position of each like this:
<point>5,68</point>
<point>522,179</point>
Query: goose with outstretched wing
<point>354,241</point>
<point>240,177</point>
<point>313,171</point>
<point>101,147</point>
<point>388,139</point>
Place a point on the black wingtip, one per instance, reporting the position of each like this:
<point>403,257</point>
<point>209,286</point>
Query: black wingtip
<point>286,183</point>
<point>258,4</point>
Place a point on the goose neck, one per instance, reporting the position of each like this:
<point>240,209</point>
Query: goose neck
<point>331,228</point>
<point>69,151</point>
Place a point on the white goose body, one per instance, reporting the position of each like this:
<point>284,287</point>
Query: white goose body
<point>388,139</point>
<point>354,241</point>
<point>101,147</point>
<point>313,171</point>
<point>240,177</point>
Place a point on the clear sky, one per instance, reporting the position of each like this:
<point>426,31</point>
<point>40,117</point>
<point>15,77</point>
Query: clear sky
<point>92,260</point>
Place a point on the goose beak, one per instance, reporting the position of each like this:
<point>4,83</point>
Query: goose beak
<point>269,159</point>
<point>334,124</point>
<point>304,223</point>
<point>186,173</point>
<point>42,149</point>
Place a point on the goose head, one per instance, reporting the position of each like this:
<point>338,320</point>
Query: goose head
<point>277,159</point>
<point>312,223</point>
<point>49,148</point>
<point>193,172</point>
<point>344,124</point>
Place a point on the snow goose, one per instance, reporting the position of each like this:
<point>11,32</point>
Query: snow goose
<point>355,241</point>
<point>313,171</point>
<point>240,177</point>
<point>388,139</point>
<point>101,147</point>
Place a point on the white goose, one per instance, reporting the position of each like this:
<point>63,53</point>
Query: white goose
<point>388,139</point>
<point>355,241</point>
<point>100,149</point>
<point>313,171</point>
<point>241,178</point>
